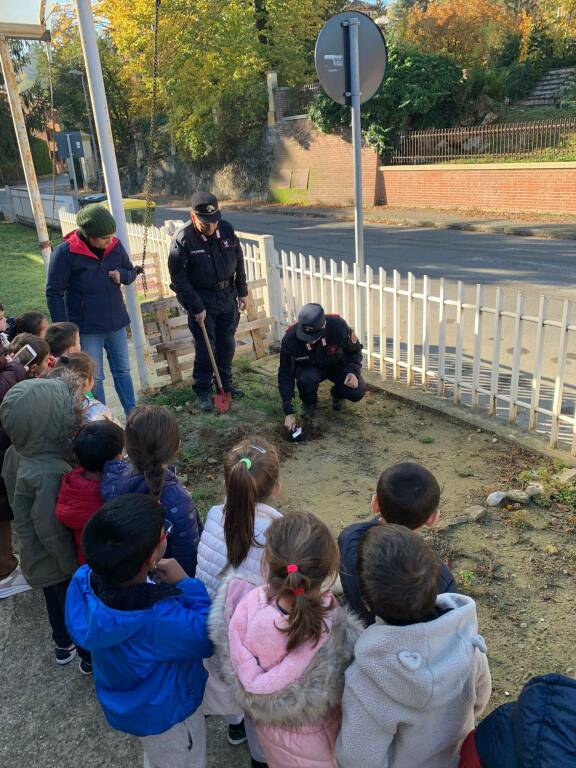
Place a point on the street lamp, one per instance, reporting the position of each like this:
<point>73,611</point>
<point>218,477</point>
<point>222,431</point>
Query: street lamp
<point>79,73</point>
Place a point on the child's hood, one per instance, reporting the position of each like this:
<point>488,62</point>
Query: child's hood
<point>276,687</point>
<point>258,641</point>
<point>92,623</point>
<point>75,488</point>
<point>419,664</point>
<point>120,477</point>
<point>38,415</point>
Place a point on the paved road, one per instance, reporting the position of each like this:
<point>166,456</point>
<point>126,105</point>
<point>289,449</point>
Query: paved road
<point>531,264</point>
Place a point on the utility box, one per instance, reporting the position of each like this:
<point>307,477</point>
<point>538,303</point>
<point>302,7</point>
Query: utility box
<point>74,148</point>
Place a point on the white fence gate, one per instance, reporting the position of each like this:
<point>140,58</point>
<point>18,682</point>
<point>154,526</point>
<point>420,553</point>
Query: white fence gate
<point>479,345</point>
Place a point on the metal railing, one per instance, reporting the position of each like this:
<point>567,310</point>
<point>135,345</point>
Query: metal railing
<point>292,102</point>
<point>490,141</point>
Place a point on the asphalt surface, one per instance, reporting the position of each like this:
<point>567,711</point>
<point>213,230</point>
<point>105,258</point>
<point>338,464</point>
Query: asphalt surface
<point>532,265</point>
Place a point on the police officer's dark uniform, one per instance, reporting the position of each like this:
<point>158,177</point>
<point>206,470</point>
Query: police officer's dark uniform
<point>208,273</point>
<point>317,348</point>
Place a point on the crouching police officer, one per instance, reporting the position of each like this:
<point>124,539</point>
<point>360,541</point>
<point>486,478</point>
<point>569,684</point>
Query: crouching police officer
<point>206,266</point>
<point>317,348</point>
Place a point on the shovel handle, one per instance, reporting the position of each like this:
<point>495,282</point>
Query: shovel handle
<point>211,354</point>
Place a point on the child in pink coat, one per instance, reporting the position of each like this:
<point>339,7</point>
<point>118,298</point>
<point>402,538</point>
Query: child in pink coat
<point>284,646</point>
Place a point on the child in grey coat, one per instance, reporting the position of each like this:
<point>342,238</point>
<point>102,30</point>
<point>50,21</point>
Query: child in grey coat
<point>420,674</point>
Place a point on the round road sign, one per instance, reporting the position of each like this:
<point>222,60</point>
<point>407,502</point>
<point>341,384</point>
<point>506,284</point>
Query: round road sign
<point>331,56</point>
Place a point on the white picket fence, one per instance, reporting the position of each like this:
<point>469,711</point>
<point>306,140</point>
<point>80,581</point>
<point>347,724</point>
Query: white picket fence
<point>448,339</point>
<point>459,341</point>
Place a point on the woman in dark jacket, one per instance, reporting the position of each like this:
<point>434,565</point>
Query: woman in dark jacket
<point>537,731</point>
<point>84,287</point>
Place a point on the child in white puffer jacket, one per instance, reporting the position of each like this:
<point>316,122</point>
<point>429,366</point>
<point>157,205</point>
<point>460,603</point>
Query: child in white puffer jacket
<point>233,538</point>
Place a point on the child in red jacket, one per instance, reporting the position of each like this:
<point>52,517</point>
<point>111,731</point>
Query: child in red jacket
<point>79,497</point>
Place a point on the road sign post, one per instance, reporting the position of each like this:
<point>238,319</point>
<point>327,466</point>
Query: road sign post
<point>350,61</point>
<point>355,94</point>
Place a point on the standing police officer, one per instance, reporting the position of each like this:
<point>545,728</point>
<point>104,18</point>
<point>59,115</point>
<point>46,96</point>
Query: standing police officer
<point>319,347</point>
<point>206,266</point>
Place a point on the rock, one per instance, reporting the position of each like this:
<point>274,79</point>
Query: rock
<point>212,461</point>
<point>494,439</point>
<point>519,497</point>
<point>179,409</point>
<point>496,498</point>
<point>550,549</point>
<point>566,476</point>
<point>523,625</point>
<point>537,489</point>
<point>458,520</point>
<point>476,513</point>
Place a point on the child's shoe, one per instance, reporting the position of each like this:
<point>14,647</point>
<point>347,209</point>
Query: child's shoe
<point>65,655</point>
<point>256,764</point>
<point>85,667</point>
<point>236,734</point>
<point>13,584</point>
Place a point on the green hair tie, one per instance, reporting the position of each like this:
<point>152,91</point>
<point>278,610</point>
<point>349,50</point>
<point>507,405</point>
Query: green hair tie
<point>248,462</point>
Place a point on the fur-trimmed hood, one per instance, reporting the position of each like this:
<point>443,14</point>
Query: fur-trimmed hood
<point>313,689</point>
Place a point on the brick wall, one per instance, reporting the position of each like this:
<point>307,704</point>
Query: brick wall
<point>514,187</point>
<point>317,168</point>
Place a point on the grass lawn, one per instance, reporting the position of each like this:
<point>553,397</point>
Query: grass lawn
<point>22,276</point>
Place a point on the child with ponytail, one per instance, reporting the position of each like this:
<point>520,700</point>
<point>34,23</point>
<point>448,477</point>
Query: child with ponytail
<point>152,441</point>
<point>284,646</point>
<point>234,532</point>
<point>233,538</point>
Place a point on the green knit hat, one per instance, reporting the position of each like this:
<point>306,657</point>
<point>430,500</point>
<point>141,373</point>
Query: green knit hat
<point>95,221</point>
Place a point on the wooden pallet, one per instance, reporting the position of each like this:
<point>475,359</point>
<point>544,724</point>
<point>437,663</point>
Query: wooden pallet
<point>166,328</point>
<point>155,287</point>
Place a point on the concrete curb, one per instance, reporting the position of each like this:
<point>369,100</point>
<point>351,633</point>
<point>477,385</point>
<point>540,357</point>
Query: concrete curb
<point>567,233</point>
<point>509,433</point>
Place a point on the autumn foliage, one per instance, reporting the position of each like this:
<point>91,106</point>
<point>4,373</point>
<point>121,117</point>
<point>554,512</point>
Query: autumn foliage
<point>469,31</point>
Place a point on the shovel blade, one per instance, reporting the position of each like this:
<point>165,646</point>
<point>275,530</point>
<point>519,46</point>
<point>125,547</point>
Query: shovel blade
<point>223,401</point>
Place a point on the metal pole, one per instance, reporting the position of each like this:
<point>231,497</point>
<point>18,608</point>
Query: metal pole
<point>92,135</point>
<point>356,141</point>
<point>25,153</point>
<point>71,158</point>
<point>110,170</point>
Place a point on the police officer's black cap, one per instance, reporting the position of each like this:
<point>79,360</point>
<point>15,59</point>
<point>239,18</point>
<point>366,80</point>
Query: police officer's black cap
<point>311,322</point>
<point>205,206</point>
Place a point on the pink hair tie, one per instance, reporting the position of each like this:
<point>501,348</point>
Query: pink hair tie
<point>292,568</point>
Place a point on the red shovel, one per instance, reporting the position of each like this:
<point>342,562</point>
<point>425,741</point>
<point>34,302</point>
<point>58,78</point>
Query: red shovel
<point>222,400</point>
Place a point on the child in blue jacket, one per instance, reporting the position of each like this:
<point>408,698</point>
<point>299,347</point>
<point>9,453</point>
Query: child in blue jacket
<point>152,441</point>
<point>147,638</point>
<point>407,494</point>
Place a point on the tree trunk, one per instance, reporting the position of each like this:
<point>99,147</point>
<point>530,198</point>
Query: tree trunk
<point>261,16</point>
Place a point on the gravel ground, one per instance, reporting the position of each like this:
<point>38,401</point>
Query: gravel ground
<point>50,715</point>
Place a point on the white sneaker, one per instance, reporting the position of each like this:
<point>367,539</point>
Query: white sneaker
<point>13,584</point>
